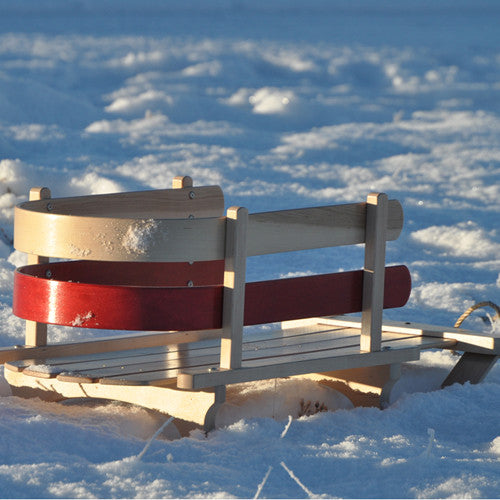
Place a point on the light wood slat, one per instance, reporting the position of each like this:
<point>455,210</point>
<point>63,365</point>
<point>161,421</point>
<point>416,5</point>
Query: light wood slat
<point>180,357</point>
<point>318,227</point>
<point>466,340</point>
<point>176,203</point>
<point>261,369</point>
<point>210,356</point>
<point>108,344</point>
<point>178,240</point>
<point>132,367</point>
<point>156,373</point>
<point>252,338</point>
<point>119,239</point>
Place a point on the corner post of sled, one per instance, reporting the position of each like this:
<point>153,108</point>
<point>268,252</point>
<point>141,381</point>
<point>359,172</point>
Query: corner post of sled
<point>233,306</point>
<point>36,333</point>
<point>182,181</point>
<point>374,272</point>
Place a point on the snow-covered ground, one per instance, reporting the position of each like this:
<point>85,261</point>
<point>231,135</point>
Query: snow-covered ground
<point>284,104</point>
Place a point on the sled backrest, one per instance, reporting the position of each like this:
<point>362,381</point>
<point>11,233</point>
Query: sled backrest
<point>90,227</point>
<point>137,235</point>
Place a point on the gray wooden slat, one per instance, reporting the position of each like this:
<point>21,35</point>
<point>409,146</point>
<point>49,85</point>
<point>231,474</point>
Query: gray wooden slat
<point>392,341</point>
<point>186,359</point>
<point>252,336</point>
<point>71,363</point>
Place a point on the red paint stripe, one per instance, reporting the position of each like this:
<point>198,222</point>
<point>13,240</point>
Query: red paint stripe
<point>151,301</point>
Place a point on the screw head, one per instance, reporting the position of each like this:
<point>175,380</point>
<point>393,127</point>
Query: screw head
<point>48,273</point>
<point>192,194</point>
<point>190,283</point>
<point>50,207</point>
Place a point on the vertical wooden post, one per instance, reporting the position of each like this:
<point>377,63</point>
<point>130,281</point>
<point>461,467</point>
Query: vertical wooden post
<point>374,272</point>
<point>182,181</point>
<point>36,333</point>
<point>233,307</point>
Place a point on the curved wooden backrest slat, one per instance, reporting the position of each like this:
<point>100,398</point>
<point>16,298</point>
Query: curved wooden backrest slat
<point>179,203</point>
<point>150,306</point>
<point>164,274</point>
<point>316,227</point>
<point>119,239</point>
<point>110,238</point>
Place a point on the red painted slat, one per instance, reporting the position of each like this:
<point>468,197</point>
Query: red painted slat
<point>145,296</point>
<point>131,273</point>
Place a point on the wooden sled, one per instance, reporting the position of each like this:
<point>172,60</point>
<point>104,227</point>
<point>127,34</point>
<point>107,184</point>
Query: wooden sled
<point>167,263</point>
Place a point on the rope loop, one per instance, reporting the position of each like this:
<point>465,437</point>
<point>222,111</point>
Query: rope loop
<point>486,303</point>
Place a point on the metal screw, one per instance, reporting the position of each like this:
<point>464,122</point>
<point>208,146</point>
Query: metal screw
<point>214,369</point>
<point>191,194</point>
<point>190,283</point>
<point>386,348</point>
<point>191,216</point>
<point>48,273</point>
<point>50,207</point>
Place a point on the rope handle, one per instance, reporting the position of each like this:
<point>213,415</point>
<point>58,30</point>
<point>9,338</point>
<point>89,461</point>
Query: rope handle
<point>486,303</point>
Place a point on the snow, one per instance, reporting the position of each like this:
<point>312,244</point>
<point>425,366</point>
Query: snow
<point>284,104</point>
<point>140,236</point>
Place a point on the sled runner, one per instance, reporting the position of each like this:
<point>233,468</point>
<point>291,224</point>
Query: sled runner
<point>169,265</point>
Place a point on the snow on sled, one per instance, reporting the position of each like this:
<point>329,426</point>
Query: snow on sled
<point>169,265</point>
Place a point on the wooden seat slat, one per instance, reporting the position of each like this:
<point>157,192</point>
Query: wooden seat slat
<point>176,358</point>
<point>154,373</point>
<point>394,351</point>
<point>160,377</point>
<point>252,337</point>
<point>264,350</point>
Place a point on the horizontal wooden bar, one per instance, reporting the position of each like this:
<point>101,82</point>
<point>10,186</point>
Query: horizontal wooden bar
<point>121,307</point>
<point>173,352</point>
<point>465,340</point>
<point>178,360</point>
<point>317,227</point>
<point>299,364</point>
<point>108,236</point>
<point>256,336</point>
<point>118,238</point>
<point>130,274</point>
<point>108,344</point>
<point>179,203</point>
